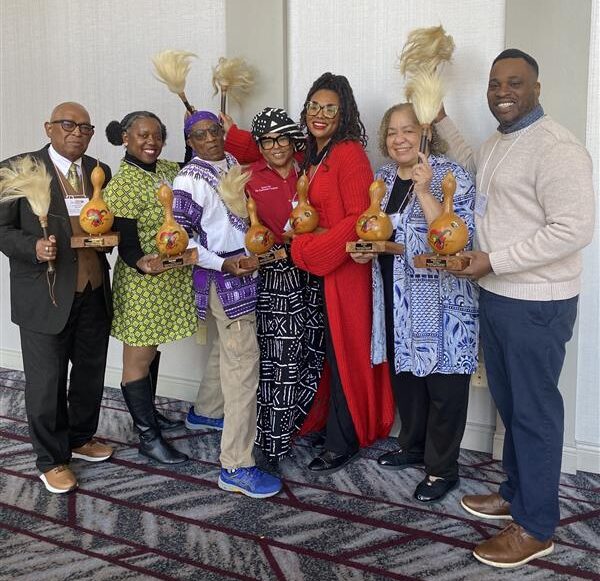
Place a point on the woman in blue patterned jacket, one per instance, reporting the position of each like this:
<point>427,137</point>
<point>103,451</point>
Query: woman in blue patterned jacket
<point>425,321</point>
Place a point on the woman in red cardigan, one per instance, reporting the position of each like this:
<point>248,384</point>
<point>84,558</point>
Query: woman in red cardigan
<point>356,403</point>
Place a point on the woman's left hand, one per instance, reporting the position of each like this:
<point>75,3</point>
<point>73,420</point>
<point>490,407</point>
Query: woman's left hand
<point>422,175</point>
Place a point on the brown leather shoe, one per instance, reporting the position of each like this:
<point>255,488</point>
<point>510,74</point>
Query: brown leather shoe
<point>92,451</point>
<point>512,547</point>
<point>59,479</point>
<point>487,506</point>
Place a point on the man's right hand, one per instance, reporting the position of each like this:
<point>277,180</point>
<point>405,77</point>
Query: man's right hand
<point>232,266</point>
<point>45,249</point>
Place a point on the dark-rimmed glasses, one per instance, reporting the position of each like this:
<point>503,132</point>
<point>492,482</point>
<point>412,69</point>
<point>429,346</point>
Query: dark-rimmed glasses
<point>202,134</point>
<point>69,126</point>
<point>329,111</point>
<point>269,142</point>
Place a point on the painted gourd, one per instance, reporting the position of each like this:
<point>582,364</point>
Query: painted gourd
<point>304,218</point>
<point>448,234</point>
<point>374,224</point>
<point>171,238</point>
<point>259,238</point>
<point>95,217</point>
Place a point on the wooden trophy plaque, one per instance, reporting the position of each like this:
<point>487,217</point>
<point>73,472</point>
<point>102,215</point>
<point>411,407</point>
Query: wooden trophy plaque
<point>95,218</point>
<point>165,262</point>
<point>255,261</point>
<point>375,247</point>
<point>374,227</point>
<point>447,236</point>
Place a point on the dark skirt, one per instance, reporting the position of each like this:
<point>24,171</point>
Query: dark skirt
<point>289,316</point>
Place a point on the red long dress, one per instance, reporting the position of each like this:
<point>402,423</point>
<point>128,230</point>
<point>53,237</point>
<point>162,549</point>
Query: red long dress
<point>339,192</point>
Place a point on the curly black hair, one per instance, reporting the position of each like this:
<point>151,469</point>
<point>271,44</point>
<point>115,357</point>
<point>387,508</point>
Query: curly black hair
<point>115,129</point>
<point>351,128</point>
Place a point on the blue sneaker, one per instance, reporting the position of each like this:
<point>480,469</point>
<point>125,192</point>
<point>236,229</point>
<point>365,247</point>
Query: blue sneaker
<point>195,422</point>
<point>249,481</point>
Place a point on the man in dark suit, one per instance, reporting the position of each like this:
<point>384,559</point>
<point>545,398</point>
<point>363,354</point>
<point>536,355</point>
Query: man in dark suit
<point>76,329</point>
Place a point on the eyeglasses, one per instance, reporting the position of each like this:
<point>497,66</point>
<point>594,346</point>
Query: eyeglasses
<point>69,126</point>
<point>329,111</point>
<point>269,142</point>
<point>202,134</point>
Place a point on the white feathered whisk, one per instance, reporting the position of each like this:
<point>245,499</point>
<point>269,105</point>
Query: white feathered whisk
<point>232,76</point>
<point>26,177</point>
<point>425,50</point>
<point>172,68</point>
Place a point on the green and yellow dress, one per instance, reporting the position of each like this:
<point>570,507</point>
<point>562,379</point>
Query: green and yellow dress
<point>148,309</point>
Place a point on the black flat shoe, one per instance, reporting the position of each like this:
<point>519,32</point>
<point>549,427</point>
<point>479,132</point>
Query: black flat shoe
<point>328,462</point>
<point>433,490</point>
<point>399,459</point>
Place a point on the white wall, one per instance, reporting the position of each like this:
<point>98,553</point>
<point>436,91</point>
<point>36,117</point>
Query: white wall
<point>362,39</point>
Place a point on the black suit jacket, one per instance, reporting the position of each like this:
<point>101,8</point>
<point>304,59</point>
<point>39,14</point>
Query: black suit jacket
<point>20,228</point>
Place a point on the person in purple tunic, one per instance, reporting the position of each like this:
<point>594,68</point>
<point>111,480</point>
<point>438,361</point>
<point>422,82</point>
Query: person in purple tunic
<point>225,293</point>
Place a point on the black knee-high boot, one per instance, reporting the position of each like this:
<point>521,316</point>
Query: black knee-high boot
<point>140,402</point>
<point>164,423</point>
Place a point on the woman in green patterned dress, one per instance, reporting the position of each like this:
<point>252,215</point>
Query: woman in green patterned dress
<point>150,308</point>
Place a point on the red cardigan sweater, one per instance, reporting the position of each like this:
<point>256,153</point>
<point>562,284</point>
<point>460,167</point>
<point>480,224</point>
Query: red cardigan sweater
<point>339,192</point>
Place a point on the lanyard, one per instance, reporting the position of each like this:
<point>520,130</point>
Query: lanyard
<point>501,159</point>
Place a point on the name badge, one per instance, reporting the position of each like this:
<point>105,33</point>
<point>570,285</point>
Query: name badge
<point>481,201</point>
<point>74,204</point>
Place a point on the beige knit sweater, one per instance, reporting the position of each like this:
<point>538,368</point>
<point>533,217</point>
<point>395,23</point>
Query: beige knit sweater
<point>540,207</point>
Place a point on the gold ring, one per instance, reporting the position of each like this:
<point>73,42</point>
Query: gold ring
<point>47,248</point>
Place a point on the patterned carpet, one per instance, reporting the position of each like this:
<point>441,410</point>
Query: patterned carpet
<point>133,519</point>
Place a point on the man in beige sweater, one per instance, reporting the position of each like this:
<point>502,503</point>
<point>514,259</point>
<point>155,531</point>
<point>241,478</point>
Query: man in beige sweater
<point>534,214</point>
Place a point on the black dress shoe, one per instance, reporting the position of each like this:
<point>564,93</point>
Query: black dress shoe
<point>399,459</point>
<point>327,461</point>
<point>431,490</point>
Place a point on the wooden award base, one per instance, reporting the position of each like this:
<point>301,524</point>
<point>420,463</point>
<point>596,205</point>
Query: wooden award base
<point>375,247</point>
<point>107,240</point>
<point>162,263</point>
<point>439,262</point>
<point>257,260</point>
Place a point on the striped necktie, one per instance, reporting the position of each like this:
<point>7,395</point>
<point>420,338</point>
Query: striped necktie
<point>73,178</point>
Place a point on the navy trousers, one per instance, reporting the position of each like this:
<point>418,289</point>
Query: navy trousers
<point>524,350</point>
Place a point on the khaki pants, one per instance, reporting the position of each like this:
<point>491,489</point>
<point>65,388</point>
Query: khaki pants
<point>228,388</point>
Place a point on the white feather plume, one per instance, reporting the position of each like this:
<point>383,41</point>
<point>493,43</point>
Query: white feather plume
<point>231,188</point>
<point>425,48</point>
<point>232,76</point>
<point>426,93</point>
<point>26,177</point>
<point>172,68</point>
